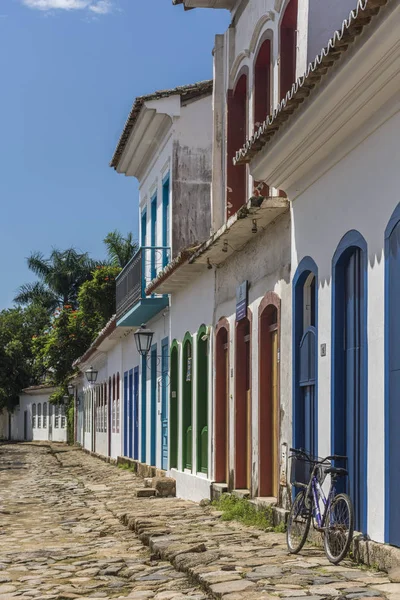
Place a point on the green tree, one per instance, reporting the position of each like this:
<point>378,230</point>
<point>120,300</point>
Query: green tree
<point>73,330</point>
<point>60,277</point>
<point>120,249</point>
<point>18,369</point>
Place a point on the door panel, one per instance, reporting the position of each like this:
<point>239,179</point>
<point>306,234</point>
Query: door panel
<point>393,421</point>
<point>136,414</point>
<point>164,406</point>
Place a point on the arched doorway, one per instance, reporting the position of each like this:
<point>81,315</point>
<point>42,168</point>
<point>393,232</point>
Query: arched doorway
<point>187,395</point>
<point>243,405</point>
<point>202,400</point>
<point>288,47</point>
<point>305,338</point>
<point>173,399</point>
<point>349,367</point>
<point>222,402</point>
<point>237,132</point>
<point>268,430</point>
<point>392,376</point>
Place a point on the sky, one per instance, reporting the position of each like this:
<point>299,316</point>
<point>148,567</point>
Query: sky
<point>70,70</point>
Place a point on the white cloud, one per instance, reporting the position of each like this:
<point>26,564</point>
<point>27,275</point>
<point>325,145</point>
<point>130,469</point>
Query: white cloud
<point>100,7</point>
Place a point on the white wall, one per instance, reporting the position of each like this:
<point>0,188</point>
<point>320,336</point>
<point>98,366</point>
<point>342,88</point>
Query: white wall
<point>360,192</point>
<point>49,432</point>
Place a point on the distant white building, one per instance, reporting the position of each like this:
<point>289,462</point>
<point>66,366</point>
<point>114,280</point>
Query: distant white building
<point>35,418</point>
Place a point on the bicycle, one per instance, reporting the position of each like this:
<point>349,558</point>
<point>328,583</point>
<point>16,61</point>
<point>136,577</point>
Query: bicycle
<point>336,524</point>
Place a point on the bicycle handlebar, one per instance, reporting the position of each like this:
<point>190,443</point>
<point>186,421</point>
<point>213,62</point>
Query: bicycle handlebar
<point>303,453</point>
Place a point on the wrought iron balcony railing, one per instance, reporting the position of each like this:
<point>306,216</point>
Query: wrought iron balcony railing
<point>143,267</point>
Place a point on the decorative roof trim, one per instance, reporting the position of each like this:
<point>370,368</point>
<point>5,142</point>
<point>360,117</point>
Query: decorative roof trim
<point>103,334</point>
<point>38,388</point>
<point>179,260</point>
<point>337,45</point>
<point>187,92</point>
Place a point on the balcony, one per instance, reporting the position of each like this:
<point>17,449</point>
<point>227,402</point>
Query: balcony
<point>133,307</point>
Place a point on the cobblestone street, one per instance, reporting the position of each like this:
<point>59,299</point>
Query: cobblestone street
<point>71,526</point>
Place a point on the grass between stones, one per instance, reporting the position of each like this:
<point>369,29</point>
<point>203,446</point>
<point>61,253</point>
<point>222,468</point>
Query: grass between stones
<point>240,509</point>
<point>126,467</point>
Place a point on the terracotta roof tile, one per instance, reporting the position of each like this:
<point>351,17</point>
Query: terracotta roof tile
<point>187,92</point>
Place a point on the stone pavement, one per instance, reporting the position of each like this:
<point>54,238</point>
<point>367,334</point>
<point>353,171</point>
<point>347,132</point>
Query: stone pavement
<point>71,526</point>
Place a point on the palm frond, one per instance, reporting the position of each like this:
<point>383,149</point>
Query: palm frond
<point>37,293</point>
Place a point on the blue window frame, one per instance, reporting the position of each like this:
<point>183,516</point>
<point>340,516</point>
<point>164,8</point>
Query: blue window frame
<point>153,235</point>
<point>143,230</point>
<point>349,412</point>
<point>166,223</point>
<point>305,359</point>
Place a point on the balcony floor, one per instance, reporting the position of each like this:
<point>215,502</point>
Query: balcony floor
<point>143,311</point>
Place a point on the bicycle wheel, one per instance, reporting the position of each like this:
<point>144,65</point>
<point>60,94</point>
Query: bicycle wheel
<point>298,523</point>
<point>339,528</point>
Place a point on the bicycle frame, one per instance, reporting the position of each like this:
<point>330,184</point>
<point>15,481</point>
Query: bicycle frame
<point>317,494</point>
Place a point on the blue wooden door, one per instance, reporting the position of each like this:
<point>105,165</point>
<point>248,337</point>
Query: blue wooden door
<point>136,413</point>
<point>130,412</point>
<point>352,349</point>
<point>393,408</point>
<point>126,412</point>
<point>307,412</point>
<point>143,417</point>
<point>164,405</point>
<point>349,414</point>
<point>153,415</point>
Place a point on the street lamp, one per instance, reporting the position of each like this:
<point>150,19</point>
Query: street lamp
<point>71,389</point>
<point>65,400</point>
<point>91,375</point>
<point>143,339</point>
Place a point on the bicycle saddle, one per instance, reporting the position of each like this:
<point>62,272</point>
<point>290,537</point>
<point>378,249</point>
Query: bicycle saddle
<point>336,471</point>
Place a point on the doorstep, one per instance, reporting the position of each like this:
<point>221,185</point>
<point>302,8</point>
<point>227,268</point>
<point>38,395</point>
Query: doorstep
<point>217,489</point>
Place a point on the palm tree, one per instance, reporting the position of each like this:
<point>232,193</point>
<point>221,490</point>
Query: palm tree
<point>60,275</point>
<point>120,249</point>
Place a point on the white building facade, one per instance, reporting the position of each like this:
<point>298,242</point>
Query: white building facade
<point>332,156</point>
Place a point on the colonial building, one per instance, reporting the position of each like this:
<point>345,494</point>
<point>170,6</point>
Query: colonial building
<point>167,145</point>
<point>332,145</point>
<point>238,280</point>
<point>35,418</point>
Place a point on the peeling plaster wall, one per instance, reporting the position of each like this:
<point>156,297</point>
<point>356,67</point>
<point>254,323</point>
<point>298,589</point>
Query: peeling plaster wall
<point>265,263</point>
<point>191,175</point>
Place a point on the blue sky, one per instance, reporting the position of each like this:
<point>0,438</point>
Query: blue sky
<point>70,70</point>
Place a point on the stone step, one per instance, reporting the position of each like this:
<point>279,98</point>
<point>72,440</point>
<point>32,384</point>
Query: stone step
<point>146,492</point>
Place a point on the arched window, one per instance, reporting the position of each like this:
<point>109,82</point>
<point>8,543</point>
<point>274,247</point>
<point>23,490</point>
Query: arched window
<point>39,415</point>
<point>44,415</point>
<point>33,416</point>
<point>305,338</point>
<point>262,83</point>
<point>237,131</point>
<point>288,44</point>
<point>243,405</point>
